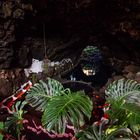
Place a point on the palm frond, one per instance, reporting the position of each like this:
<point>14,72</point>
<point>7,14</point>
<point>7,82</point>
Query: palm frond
<point>39,94</point>
<point>68,108</point>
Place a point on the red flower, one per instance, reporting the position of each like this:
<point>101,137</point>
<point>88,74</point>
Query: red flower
<point>106,116</point>
<point>106,105</point>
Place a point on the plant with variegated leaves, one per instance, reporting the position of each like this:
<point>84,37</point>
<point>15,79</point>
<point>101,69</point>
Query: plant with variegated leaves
<point>124,99</point>
<point>60,106</point>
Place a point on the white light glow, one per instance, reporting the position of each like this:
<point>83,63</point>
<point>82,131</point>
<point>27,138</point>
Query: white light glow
<point>89,72</point>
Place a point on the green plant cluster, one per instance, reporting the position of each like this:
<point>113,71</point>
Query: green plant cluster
<point>62,107</point>
<point>59,106</point>
<point>1,129</point>
<point>90,50</point>
<point>124,98</point>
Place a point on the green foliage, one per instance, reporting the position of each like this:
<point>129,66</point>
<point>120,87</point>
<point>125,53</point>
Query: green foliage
<point>124,97</point>
<point>121,89</point>
<point>39,94</point>
<point>59,105</point>
<point>1,129</point>
<point>114,133</point>
<point>14,122</point>
<point>61,110</point>
<point>100,132</point>
<point>89,50</point>
<point>91,58</point>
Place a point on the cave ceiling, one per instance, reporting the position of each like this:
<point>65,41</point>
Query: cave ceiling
<point>64,27</point>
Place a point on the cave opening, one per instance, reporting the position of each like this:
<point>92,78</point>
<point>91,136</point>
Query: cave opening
<point>91,68</point>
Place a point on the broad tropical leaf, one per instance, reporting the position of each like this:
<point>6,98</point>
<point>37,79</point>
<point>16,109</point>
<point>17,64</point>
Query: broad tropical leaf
<point>122,92</point>
<point>39,94</point>
<point>122,88</point>
<point>69,108</point>
<point>124,97</point>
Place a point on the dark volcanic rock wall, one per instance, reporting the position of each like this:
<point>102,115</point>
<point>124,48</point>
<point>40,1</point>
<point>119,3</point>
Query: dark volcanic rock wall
<point>11,19</point>
<point>68,26</point>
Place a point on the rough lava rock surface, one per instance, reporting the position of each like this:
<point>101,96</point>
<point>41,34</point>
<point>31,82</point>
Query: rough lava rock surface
<point>65,27</point>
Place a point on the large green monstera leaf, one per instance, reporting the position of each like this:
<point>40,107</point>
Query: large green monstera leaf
<point>60,106</point>
<point>124,98</point>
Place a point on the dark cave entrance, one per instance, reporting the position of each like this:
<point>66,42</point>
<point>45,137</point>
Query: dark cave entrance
<point>91,69</point>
